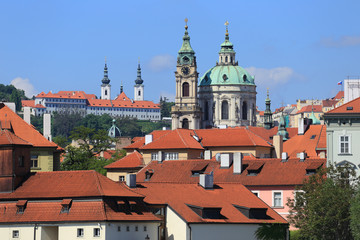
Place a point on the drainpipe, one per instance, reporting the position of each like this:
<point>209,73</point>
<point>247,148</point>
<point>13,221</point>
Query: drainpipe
<point>35,228</point>
<point>190,231</point>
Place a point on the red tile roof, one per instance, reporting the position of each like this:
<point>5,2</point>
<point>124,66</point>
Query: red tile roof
<point>230,137</point>
<point>133,160</point>
<point>140,141</point>
<point>224,196</point>
<point>67,95</point>
<point>352,107</point>
<point>329,103</point>
<point>31,103</point>
<point>313,138</point>
<point>310,108</point>
<point>122,97</point>
<point>8,138</point>
<point>176,139</point>
<point>23,130</point>
<point>106,154</point>
<point>69,184</point>
<point>267,134</point>
<point>339,95</point>
<point>274,172</point>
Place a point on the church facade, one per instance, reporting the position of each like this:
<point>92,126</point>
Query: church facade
<point>226,95</point>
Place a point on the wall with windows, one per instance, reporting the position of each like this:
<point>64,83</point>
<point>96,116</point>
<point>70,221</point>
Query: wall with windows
<point>132,231</point>
<point>262,152</point>
<point>342,137</point>
<point>168,154</point>
<point>223,231</point>
<point>44,160</point>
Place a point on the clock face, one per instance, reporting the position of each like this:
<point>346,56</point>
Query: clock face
<point>185,70</point>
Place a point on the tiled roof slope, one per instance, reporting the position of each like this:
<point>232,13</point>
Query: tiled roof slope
<point>31,103</point>
<point>8,138</point>
<point>273,172</point>
<point>176,139</point>
<point>122,97</point>
<point>23,129</point>
<point>68,184</point>
<point>67,95</point>
<point>352,107</point>
<point>139,142</point>
<point>230,137</point>
<point>45,211</point>
<point>315,135</point>
<point>310,108</point>
<point>132,160</point>
<point>329,102</point>
<point>339,95</point>
<point>224,196</point>
<point>268,134</point>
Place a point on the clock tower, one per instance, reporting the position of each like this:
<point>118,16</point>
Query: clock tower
<point>186,112</point>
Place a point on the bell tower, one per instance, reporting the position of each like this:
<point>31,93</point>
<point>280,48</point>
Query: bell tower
<point>186,112</point>
<point>105,86</point>
<point>139,87</point>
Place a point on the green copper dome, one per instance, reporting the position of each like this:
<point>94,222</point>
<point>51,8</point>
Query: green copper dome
<point>226,75</point>
<point>314,119</point>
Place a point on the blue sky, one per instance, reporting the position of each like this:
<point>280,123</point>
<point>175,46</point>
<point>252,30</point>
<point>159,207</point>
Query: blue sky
<point>299,49</point>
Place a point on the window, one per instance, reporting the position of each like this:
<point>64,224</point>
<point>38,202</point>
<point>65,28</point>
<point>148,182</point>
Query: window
<point>15,234</point>
<point>128,228</point>
<point>139,93</point>
<point>119,229</point>
<point>256,193</point>
<point>80,232</point>
<point>121,178</point>
<point>154,156</point>
<point>244,111</point>
<point>277,199</point>
<point>34,161</point>
<point>206,111</point>
<point>224,110</point>
<point>136,228</point>
<point>96,232</point>
<point>344,144</point>
<point>21,161</point>
<point>185,87</point>
<point>145,228</point>
<point>171,156</point>
<point>185,123</point>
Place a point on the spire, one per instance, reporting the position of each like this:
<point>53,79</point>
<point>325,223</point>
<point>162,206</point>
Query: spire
<point>268,114</point>
<point>138,80</point>
<point>186,47</point>
<point>227,46</point>
<point>121,88</point>
<point>282,128</point>
<point>105,80</point>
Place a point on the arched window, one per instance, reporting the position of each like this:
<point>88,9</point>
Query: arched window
<point>206,111</point>
<point>226,59</point>
<point>224,110</point>
<point>244,111</point>
<point>105,92</point>
<point>230,59</point>
<point>139,93</point>
<point>185,88</point>
<point>185,123</point>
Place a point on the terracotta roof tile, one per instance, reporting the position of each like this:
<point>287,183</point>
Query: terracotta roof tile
<point>181,196</point>
<point>310,108</point>
<point>8,138</point>
<point>23,130</point>
<point>273,172</point>
<point>339,95</point>
<point>352,107</point>
<point>133,160</point>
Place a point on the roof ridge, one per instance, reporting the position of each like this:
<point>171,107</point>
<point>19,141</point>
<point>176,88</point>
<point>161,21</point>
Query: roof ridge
<point>322,126</point>
<point>247,132</point>
<point>182,138</point>
<point>98,185</point>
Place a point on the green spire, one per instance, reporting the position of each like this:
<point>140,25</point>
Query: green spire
<point>314,119</point>
<point>186,47</point>
<point>106,79</point>
<point>227,46</point>
<point>282,128</point>
<point>268,114</point>
<point>138,79</point>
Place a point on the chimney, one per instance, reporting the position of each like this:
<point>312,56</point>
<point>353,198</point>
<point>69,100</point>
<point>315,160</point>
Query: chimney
<point>237,165</point>
<point>301,126</point>
<point>226,160</point>
<point>131,180</point>
<point>160,156</point>
<point>27,115</point>
<point>207,155</point>
<point>206,181</point>
<point>284,157</point>
<point>302,156</point>
<point>148,138</point>
<point>278,145</point>
<point>47,126</point>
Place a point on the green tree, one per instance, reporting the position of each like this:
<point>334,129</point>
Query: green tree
<point>355,215</point>
<point>129,127</point>
<point>85,156</point>
<point>321,210</point>
<point>63,123</point>
<point>165,107</point>
<point>274,231</point>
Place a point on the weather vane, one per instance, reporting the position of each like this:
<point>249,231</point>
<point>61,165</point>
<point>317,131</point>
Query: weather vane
<point>227,24</point>
<point>186,20</point>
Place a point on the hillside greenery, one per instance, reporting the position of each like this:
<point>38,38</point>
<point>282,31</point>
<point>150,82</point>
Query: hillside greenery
<point>8,93</point>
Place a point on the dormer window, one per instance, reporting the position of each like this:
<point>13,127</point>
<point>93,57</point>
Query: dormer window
<point>255,168</point>
<point>148,174</point>
<point>21,205</point>
<point>313,167</point>
<point>253,213</point>
<point>66,205</point>
<point>199,169</point>
<point>207,212</point>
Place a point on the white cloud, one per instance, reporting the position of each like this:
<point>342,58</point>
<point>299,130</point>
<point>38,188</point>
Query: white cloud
<point>268,77</point>
<point>24,84</point>
<point>344,41</point>
<point>162,62</point>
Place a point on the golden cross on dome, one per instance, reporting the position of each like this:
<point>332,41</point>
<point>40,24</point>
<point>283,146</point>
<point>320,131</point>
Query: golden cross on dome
<point>186,20</point>
<point>227,24</point>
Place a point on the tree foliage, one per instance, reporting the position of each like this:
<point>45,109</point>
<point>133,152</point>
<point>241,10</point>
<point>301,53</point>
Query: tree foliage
<point>274,231</point>
<point>321,210</point>
<point>355,215</point>
<point>165,107</point>
<point>9,93</point>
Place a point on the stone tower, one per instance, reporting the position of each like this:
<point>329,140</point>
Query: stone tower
<point>268,123</point>
<point>105,86</point>
<point>186,112</point>
<point>139,87</point>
